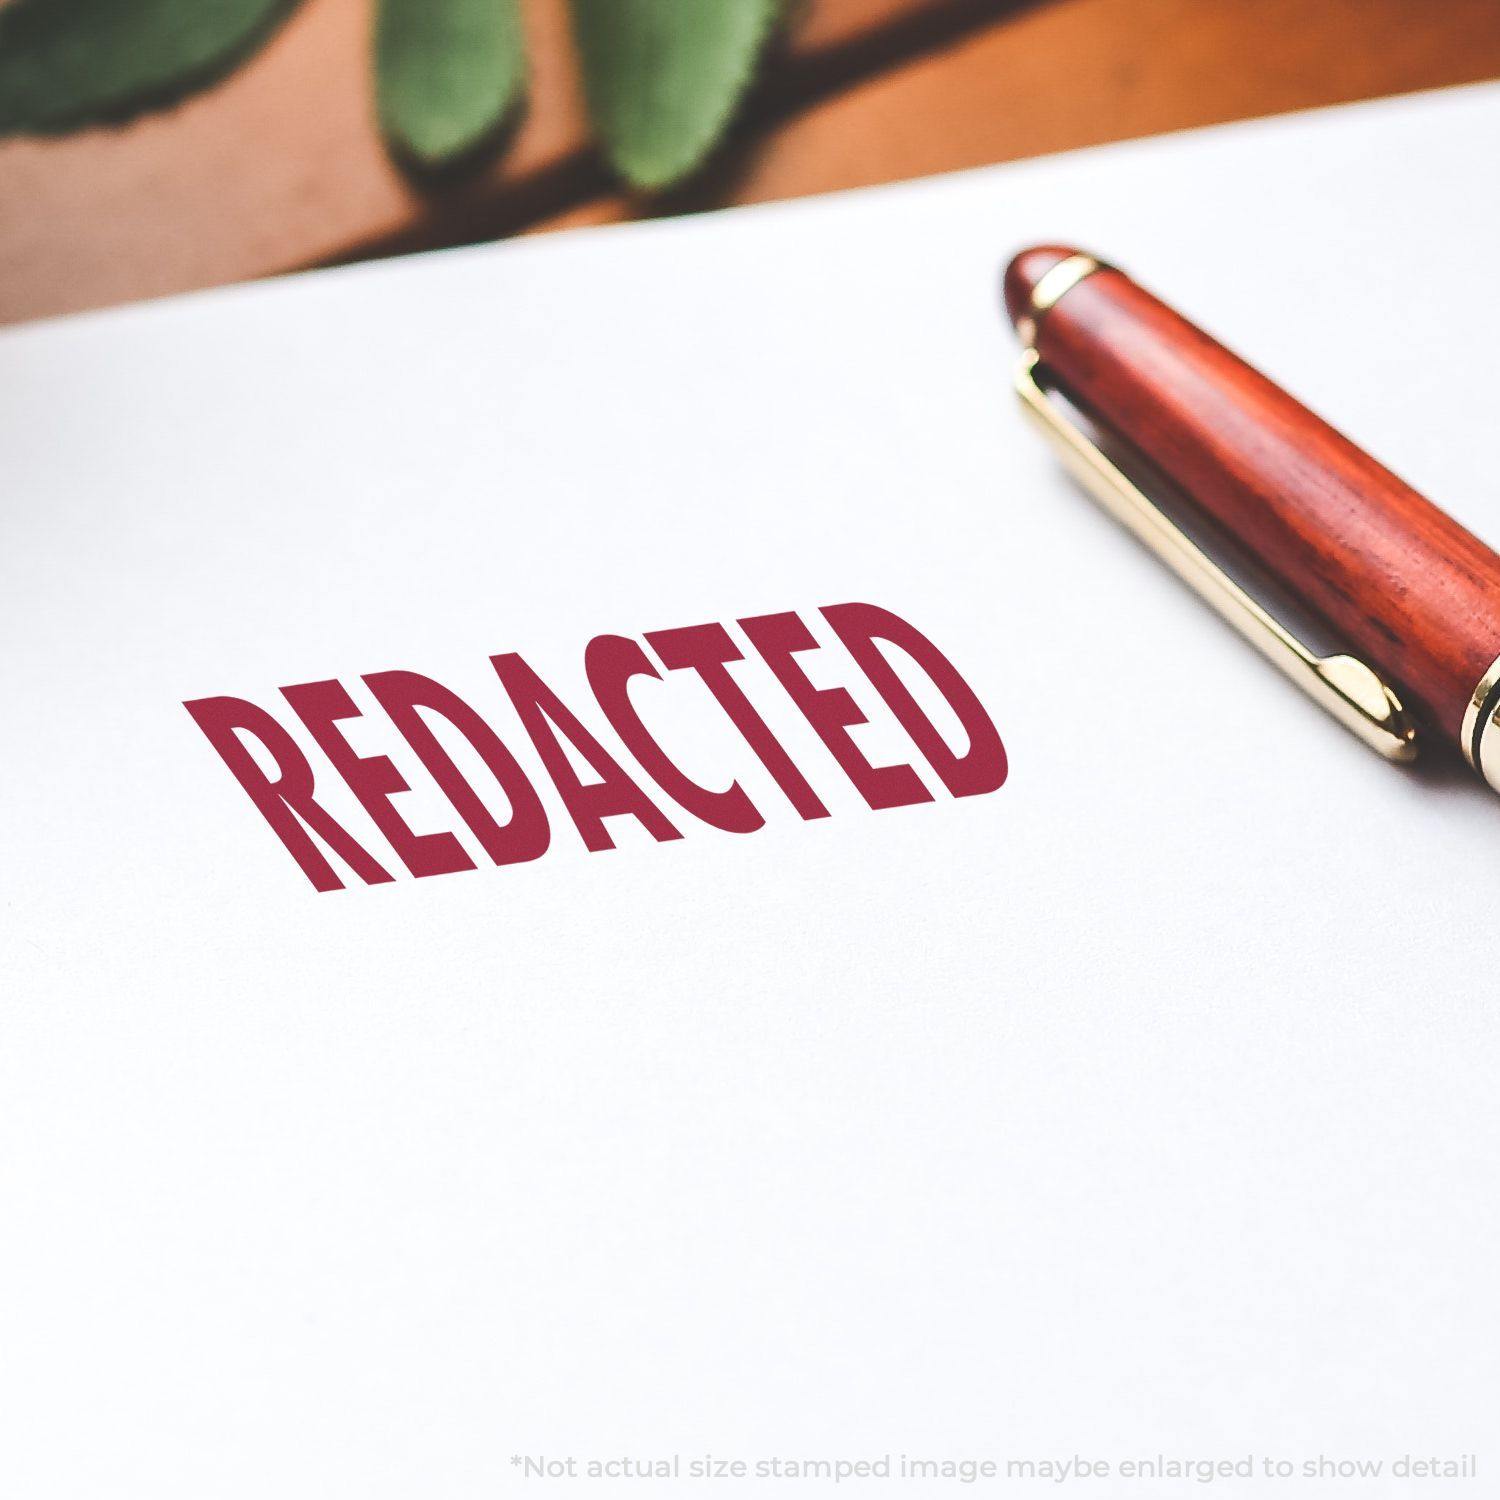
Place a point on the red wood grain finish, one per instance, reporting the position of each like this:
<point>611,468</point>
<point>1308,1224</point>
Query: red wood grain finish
<point>1407,587</point>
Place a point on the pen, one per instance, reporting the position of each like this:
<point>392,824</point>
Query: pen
<point>1414,596</point>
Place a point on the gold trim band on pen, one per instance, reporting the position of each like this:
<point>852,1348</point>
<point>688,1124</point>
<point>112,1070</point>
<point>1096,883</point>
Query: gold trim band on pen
<point>1050,289</point>
<point>1480,737</point>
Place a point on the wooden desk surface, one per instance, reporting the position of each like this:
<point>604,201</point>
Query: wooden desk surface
<point>280,166</point>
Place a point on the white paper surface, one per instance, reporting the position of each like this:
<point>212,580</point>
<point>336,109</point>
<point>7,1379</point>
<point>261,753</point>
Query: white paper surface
<point>1145,1106</point>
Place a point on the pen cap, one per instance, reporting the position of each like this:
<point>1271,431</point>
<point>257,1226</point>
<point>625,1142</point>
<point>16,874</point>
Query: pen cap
<point>1024,273</point>
<point>1415,593</point>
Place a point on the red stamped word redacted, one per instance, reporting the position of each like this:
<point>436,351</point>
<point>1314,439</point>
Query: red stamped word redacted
<point>283,784</point>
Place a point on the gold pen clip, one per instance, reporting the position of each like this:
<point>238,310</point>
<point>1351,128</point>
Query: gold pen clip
<point>1348,688</point>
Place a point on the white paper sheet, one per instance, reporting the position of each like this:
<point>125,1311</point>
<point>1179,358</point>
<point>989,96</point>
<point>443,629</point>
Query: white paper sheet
<point>1145,1106</point>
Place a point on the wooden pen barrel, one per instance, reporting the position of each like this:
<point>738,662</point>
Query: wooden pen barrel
<point>1405,586</point>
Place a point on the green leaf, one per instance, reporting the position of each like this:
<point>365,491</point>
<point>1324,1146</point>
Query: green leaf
<point>448,73</point>
<point>65,63</point>
<point>662,77</point>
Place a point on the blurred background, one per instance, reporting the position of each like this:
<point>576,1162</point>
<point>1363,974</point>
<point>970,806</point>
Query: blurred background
<point>156,146</point>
